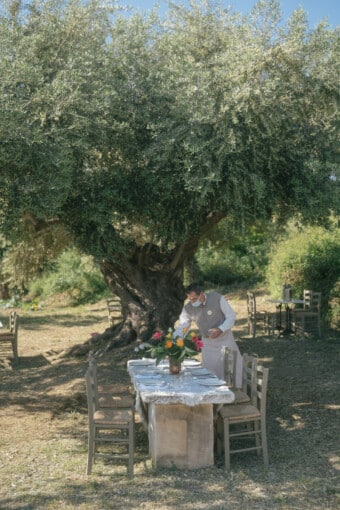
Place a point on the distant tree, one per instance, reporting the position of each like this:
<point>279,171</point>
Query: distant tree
<point>139,135</point>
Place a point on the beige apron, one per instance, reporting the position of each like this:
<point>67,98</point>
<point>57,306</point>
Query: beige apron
<point>213,358</point>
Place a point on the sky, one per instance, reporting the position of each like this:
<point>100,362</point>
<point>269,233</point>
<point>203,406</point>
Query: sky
<point>316,10</point>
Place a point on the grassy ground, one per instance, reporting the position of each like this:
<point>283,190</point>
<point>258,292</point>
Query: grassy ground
<point>43,427</point>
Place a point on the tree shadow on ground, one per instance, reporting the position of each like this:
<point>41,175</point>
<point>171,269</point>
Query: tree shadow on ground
<point>301,416</point>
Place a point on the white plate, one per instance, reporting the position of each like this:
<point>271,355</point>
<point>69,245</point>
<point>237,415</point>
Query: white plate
<point>191,363</point>
<point>200,371</point>
<point>159,386</point>
<point>147,375</point>
<point>211,382</point>
<point>141,362</point>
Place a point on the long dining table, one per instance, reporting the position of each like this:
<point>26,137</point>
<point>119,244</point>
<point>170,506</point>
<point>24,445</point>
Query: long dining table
<point>178,411</point>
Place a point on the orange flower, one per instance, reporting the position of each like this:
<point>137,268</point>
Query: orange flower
<point>180,342</point>
<point>168,344</point>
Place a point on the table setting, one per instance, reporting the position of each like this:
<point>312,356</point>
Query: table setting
<point>194,385</point>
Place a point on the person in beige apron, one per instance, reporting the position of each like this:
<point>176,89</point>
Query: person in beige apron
<point>214,317</point>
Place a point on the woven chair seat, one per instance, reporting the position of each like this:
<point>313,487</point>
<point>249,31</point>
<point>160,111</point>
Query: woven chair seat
<point>240,411</point>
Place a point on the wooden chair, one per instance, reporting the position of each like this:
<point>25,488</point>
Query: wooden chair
<point>107,427</point>
<point>256,316</point>
<point>247,422</point>
<point>12,334</point>
<point>114,310</point>
<point>109,395</point>
<point>308,318</point>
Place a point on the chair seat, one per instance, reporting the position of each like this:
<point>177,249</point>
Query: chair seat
<point>112,416</point>
<point>239,412</point>
<point>6,336</point>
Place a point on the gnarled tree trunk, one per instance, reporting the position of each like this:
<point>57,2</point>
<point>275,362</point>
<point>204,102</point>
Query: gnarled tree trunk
<point>150,288</point>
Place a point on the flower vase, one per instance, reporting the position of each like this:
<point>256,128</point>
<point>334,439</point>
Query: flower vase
<point>174,366</point>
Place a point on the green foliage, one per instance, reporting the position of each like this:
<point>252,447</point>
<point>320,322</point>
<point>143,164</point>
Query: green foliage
<point>334,306</point>
<point>72,275</point>
<point>234,254</point>
<point>135,132</point>
<point>308,259</point>
<point>28,258</point>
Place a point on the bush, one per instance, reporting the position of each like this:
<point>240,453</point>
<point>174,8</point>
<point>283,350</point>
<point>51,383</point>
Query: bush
<point>306,260</point>
<point>244,258</point>
<point>73,275</point>
<point>334,307</point>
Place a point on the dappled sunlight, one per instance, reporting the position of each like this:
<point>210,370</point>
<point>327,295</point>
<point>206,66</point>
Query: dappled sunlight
<point>330,407</point>
<point>334,461</point>
<point>295,423</point>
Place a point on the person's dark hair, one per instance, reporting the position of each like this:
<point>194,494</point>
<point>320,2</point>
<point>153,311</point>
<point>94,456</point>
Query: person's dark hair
<point>193,287</point>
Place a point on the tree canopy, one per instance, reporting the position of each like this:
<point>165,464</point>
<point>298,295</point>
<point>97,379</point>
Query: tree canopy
<point>138,134</point>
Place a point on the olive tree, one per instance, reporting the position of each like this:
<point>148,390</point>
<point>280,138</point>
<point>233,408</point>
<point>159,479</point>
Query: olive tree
<point>140,134</point>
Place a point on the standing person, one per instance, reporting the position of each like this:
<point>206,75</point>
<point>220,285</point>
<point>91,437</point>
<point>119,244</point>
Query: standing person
<point>214,318</point>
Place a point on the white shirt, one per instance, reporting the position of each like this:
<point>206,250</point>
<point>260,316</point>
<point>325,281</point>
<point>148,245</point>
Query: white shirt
<point>184,320</point>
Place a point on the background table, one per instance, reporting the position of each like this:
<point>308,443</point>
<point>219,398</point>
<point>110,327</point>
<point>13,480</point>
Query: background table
<point>178,413</point>
<point>288,323</point>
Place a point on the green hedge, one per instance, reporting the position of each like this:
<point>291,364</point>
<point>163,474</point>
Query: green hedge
<point>308,259</point>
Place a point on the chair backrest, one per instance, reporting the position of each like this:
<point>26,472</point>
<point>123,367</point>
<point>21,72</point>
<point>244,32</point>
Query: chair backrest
<point>307,297</point>
<point>114,310</point>
<point>91,394</point>
<point>251,304</point>
<point>13,322</point>
<point>249,375</point>
<point>312,300</point>
<point>261,389</point>
<point>229,357</point>
<point>93,373</point>
<point>315,303</point>
<point>286,292</point>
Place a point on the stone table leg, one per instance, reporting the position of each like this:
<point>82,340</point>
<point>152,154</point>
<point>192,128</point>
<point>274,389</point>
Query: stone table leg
<point>181,436</point>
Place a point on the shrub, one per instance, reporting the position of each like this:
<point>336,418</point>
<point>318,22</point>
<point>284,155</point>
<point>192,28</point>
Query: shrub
<point>308,259</point>
<point>73,275</point>
<point>244,258</point>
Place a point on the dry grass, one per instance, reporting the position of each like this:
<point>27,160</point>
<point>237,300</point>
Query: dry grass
<point>44,428</point>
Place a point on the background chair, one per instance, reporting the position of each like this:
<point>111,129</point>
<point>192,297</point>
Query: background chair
<point>12,334</point>
<point>107,427</point>
<point>114,310</point>
<point>246,422</point>
<point>308,318</point>
<point>256,317</point>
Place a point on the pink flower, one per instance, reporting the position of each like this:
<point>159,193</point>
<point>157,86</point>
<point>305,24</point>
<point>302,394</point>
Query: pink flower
<point>157,335</point>
<point>198,342</point>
